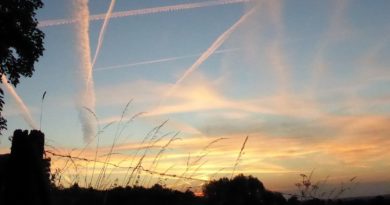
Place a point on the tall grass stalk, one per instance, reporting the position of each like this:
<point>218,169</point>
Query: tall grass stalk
<point>97,151</point>
<point>239,156</point>
<point>154,131</point>
<point>152,143</point>
<point>40,117</point>
<point>103,171</point>
<point>158,156</point>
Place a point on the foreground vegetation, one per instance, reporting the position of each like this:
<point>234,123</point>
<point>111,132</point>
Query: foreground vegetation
<point>241,190</point>
<point>25,178</point>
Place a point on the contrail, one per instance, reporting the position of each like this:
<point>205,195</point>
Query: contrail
<point>87,94</point>
<point>179,7</point>
<point>23,108</point>
<point>102,31</point>
<point>217,43</point>
<point>161,60</point>
<point>330,36</point>
<point>275,52</point>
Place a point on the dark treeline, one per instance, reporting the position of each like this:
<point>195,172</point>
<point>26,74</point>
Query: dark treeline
<point>241,190</point>
<point>119,195</point>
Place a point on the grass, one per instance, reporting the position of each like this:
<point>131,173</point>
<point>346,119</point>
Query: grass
<point>96,173</point>
<point>142,167</point>
<point>239,156</point>
<point>307,189</point>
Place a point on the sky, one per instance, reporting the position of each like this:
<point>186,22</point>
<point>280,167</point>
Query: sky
<point>177,86</point>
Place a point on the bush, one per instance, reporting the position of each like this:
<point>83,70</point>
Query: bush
<point>241,189</point>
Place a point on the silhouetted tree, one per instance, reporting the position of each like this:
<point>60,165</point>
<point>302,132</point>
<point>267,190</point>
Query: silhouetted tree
<point>378,200</point>
<point>137,195</point>
<point>293,201</point>
<point>241,190</point>
<point>21,42</point>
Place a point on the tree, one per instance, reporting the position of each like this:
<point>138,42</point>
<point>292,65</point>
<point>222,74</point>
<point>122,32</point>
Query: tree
<point>21,42</point>
<point>241,190</point>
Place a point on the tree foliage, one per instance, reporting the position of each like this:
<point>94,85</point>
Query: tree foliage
<point>241,190</point>
<point>21,42</point>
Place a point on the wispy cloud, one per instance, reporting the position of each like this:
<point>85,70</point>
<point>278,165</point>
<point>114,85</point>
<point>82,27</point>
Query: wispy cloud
<point>205,55</point>
<point>86,98</point>
<point>200,93</point>
<point>367,133</point>
<point>337,30</point>
<point>161,60</point>
<point>179,7</point>
<point>370,68</point>
<point>275,51</point>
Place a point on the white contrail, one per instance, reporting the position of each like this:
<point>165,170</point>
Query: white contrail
<point>217,43</point>
<point>87,94</point>
<point>161,60</point>
<point>57,22</point>
<point>23,108</point>
<point>102,31</point>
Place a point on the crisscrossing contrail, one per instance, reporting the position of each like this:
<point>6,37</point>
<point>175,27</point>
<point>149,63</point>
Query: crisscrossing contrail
<point>136,12</point>
<point>205,55</point>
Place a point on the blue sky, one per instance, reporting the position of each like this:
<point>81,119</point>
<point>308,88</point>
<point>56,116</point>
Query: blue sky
<point>307,81</point>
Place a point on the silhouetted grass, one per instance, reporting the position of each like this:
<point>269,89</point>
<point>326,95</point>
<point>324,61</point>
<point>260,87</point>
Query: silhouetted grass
<point>309,190</point>
<point>239,156</point>
<point>153,147</point>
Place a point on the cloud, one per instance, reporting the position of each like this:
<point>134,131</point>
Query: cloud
<point>275,50</point>
<point>102,31</point>
<point>337,31</point>
<point>200,93</point>
<point>362,139</point>
<point>179,7</point>
<point>86,96</point>
<point>142,91</point>
<point>161,60</point>
<point>210,50</point>
<point>201,96</point>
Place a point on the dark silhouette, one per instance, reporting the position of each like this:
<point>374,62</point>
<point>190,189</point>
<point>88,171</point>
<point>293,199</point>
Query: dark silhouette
<point>293,201</point>
<point>241,190</point>
<point>21,42</point>
<point>242,193</point>
<point>156,195</point>
<point>4,158</point>
<point>26,174</point>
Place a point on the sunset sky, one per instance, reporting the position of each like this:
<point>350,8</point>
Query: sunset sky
<point>307,81</point>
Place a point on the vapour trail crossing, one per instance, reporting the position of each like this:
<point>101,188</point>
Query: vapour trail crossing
<point>102,31</point>
<point>179,7</point>
<point>216,44</point>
